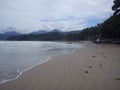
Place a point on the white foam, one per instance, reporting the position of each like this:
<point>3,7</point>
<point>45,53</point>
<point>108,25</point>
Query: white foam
<point>20,73</point>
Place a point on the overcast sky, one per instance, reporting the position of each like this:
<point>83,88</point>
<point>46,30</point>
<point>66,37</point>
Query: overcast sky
<point>31,15</point>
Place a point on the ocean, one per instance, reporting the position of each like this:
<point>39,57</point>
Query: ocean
<point>18,56</point>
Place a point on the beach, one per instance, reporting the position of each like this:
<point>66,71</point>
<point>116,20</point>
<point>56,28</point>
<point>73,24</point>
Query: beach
<point>93,67</point>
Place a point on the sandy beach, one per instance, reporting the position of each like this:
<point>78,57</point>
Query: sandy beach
<point>94,67</point>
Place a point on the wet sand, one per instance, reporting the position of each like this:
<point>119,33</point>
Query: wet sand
<point>94,67</point>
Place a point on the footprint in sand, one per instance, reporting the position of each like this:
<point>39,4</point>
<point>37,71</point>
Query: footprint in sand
<point>90,66</point>
<point>118,79</point>
<point>93,56</point>
<point>100,65</point>
<point>86,72</point>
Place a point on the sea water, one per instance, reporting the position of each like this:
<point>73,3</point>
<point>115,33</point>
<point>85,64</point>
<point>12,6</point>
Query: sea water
<point>19,56</point>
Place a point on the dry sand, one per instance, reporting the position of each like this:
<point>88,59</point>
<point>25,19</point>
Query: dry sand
<point>94,67</point>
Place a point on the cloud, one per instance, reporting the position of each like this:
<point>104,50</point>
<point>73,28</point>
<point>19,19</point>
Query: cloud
<point>29,15</point>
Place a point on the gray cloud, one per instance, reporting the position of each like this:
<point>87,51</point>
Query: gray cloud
<point>29,15</point>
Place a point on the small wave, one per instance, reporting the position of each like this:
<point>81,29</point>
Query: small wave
<point>20,73</point>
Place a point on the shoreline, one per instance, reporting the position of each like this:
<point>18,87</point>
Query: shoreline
<point>20,73</point>
<point>94,67</point>
<point>45,61</point>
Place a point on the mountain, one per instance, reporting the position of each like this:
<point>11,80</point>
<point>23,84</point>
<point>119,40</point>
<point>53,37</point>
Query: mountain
<point>44,31</point>
<point>56,30</point>
<point>50,36</point>
<point>5,35</point>
<point>39,32</point>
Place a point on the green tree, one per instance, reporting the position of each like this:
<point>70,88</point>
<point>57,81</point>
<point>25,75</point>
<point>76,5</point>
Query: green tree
<point>116,7</point>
